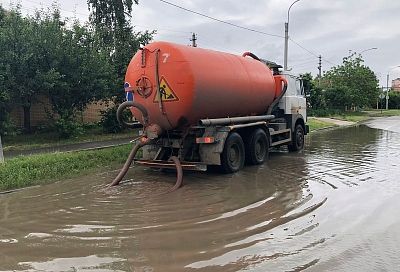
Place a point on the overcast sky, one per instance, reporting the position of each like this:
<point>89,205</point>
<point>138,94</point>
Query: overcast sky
<point>325,27</point>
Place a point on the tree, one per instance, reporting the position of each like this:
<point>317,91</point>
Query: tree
<point>314,94</point>
<point>43,55</point>
<point>4,99</point>
<point>357,83</point>
<point>112,21</point>
<point>18,61</point>
<point>77,70</point>
<point>394,100</point>
<point>338,98</point>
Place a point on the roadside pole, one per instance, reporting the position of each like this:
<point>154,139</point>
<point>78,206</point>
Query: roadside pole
<point>1,152</point>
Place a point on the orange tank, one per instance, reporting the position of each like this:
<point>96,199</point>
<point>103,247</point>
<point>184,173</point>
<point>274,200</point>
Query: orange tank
<point>196,84</point>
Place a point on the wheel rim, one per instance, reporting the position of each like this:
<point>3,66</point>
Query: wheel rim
<point>299,138</point>
<point>234,156</point>
<point>260,148</point>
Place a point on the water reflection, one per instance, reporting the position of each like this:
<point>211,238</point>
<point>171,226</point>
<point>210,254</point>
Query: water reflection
<point>328,205</point>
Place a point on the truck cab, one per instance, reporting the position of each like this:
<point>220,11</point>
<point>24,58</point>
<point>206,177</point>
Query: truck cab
<point>294,100</point>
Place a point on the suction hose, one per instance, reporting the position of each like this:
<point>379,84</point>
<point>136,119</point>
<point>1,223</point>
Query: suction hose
<point>179,174</point>
<point>152,131</point>
<point>131,157</point>
<point>143,141</point>
<point>127,164</point>
<point>249,54</point>
<point>127,104</point>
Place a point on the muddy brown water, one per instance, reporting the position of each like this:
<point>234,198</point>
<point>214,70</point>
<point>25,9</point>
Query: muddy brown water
<point>334,207</point>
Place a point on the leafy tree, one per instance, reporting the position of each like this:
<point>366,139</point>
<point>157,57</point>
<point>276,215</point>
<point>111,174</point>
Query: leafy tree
<point>18,61</point>
<point>78,71</point>
<point>394,100</point>
<point>356,82</point>
<point>314,94</point>
<point>4,99</point>
<point>338,98</point>
<point>112,21</point>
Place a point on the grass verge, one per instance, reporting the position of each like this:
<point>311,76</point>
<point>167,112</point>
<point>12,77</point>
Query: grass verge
<point>50,139</point>
<point>364,115</point>
<point>41,169</point>
<point>318,124</point>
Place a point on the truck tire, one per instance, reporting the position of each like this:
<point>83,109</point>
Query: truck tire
<point>257,147</point>
<point>297,139</point>
<point>233,155</point>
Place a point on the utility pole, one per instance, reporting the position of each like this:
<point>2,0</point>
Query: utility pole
<point>319,70</point>
<point>286,46</point>
<point>387,92</point>
<point>285,55</point>
<point>1,152</point>
<point>193,40</point>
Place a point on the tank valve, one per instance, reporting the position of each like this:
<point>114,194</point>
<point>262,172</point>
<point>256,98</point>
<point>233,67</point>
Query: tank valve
<point>153,131</point>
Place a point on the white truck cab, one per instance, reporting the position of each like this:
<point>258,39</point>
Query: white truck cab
<point>294,100</point>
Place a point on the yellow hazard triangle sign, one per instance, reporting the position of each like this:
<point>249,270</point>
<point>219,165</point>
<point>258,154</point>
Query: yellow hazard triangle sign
<point>166,93</point>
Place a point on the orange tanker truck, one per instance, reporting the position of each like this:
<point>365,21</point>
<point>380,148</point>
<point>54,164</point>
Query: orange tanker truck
<point>203,108</point>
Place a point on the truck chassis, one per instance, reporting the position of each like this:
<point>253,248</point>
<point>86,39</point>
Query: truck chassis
<point>227,143</point>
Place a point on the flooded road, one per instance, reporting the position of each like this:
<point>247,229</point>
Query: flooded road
<point>334,207</point>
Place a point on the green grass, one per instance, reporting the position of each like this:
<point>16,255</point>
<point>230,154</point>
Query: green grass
<point>40,169</point>
<point>364,115</point>
<point>351,116</point>
<point>50,139</point>
<point>378,113</point>
<point>318,124</point>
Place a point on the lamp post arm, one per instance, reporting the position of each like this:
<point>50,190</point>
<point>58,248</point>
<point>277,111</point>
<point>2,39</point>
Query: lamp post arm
<point>289,10</point>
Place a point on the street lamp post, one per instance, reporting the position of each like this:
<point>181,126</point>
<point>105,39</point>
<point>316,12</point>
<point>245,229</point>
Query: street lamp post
<point>285,56</point>
<point>387,86</point>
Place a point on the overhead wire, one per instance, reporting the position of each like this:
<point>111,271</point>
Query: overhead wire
<point>245,28</point>
<point>221,21</point>
<point>200,14</point>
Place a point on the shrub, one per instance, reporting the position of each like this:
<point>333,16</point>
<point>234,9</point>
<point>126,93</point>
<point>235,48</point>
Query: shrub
<point>109,120</point>
<point>67,127</point>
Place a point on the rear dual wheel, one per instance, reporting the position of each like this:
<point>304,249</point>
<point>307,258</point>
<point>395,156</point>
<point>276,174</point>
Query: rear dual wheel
<point>233,155</point>
<point>257,147</point>
<point>236,152</point>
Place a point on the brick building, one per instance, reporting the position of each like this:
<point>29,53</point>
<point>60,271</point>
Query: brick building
<point>396,85</point>
<point>40,110</point>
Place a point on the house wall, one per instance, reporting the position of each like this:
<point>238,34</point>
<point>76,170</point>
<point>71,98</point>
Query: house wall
<point>39,111</point>
<point>396,85</point>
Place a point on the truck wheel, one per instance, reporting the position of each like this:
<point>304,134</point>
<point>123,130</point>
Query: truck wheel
<point>257,147</point>
<point>232,157</point>
<point>298,139</point>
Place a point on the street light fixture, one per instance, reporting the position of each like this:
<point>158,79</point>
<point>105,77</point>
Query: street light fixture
<point>285,56</point>
<point>373,48</point>
<point>387,86</point>
<point>351,51</point>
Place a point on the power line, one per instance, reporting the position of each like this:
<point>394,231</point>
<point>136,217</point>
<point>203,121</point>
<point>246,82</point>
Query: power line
<point>334,64</point>
<point>163,29</point>
<point>307,50</point>
<point>221,21</point>
<point>303,63</point>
